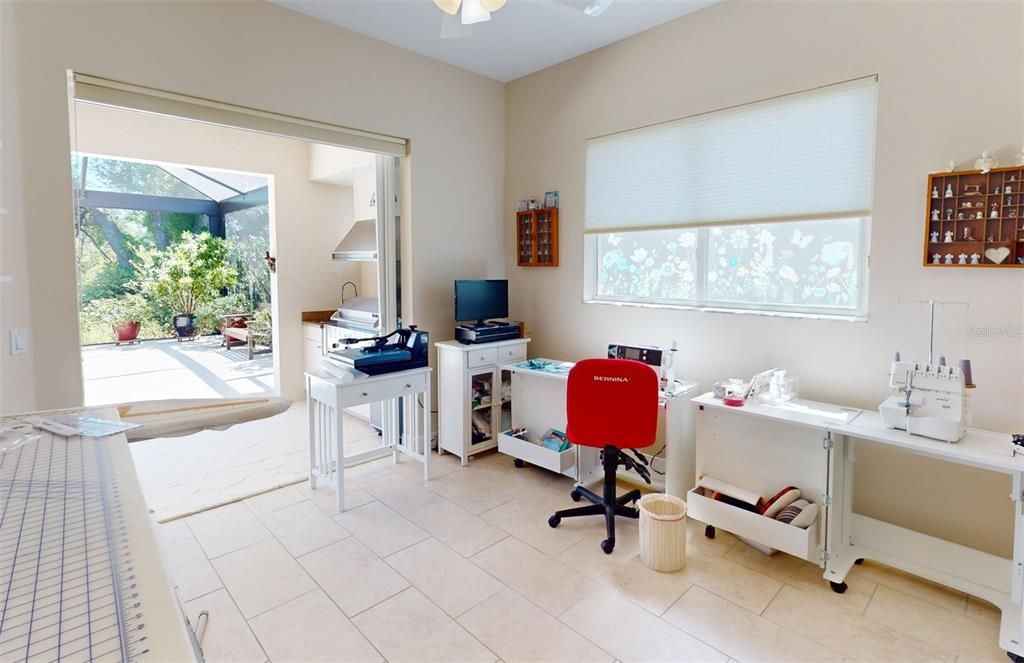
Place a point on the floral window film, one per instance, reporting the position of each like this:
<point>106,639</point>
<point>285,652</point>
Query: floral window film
<point>660,265</point>
<point>806,264</point>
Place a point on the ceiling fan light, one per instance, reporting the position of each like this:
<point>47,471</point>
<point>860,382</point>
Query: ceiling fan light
<point>448,6</point>
<point>492,5</point>
<point>474,12</point>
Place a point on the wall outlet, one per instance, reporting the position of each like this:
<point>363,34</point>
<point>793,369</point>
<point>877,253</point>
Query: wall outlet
<point>19,341</point>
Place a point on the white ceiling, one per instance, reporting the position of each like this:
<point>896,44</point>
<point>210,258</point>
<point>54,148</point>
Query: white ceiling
<point>522,37</point>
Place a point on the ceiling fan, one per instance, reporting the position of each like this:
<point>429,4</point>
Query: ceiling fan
<point>456,23</point>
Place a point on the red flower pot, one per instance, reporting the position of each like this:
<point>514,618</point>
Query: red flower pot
<point>127,331</point>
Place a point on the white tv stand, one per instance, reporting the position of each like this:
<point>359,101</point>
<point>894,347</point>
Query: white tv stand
<point>458,366</point>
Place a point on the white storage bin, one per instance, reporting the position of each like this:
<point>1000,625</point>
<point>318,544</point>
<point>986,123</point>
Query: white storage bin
<point>662,532</point>
<point>769,532</point>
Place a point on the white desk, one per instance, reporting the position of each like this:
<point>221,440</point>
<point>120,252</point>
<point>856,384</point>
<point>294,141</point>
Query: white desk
<point>74,517</point>
<point>327,396</point>
<point>813,446</point>
<point>538,403</point>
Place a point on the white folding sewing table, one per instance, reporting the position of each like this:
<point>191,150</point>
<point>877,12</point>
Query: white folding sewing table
<point>81,577</point>
<point>327,396</point>
<point>763,447</point>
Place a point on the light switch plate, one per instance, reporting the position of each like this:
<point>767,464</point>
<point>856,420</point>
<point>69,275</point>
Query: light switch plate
<point>19,341</point>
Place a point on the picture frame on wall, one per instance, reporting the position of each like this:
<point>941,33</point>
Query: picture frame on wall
<point>550,199</point>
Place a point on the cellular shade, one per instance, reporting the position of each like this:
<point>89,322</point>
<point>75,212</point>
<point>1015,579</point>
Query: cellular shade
<point>803,156</point>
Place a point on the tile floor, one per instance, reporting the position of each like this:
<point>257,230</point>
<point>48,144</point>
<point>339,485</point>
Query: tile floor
<point>465,568</point>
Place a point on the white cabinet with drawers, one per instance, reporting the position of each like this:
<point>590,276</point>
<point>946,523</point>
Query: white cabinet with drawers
<point>473,394</point>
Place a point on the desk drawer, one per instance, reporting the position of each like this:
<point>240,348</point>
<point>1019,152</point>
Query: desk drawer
<point>798,542</point>
<point>549,459</point>
<point>508,354</point>
<point>357,393</point>
<point>482,357</point>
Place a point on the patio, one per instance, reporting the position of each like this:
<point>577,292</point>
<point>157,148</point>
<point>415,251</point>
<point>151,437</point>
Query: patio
<point>171,369</point>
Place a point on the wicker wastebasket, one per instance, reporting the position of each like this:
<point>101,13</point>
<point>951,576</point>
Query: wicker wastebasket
<point>662,532</point>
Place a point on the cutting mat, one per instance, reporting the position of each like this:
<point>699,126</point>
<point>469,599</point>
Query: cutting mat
<point>80,574</point>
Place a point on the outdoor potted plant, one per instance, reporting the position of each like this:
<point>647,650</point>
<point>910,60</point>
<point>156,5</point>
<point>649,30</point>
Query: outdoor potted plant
<point>186,275</point>
<point>122,315</point>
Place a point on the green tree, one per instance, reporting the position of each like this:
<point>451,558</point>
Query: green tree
<point>188,273</point>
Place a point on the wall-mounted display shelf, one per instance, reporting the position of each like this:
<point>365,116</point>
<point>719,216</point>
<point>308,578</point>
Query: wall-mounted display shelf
<point>975,219</point>
<point>537,237</point>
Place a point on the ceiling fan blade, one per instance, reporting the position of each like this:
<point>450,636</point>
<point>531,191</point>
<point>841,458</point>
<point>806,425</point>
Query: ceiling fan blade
<point>448,6</point>
<point>492,5</point>
<point>592,8</point>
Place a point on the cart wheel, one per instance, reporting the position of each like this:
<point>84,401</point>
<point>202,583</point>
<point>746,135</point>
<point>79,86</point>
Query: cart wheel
<point>1015,657</point>
<point>519,462</point>
<point>838,587</point>
<point>607,546</point>
<point>709,531</point>
<point>554,520</point>
<point>576,495</point>
<point>858,562</point>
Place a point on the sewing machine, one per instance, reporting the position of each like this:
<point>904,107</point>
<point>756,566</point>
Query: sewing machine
<point>930,400</point>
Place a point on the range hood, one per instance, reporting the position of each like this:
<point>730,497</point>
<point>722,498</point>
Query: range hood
<point>359,244</point>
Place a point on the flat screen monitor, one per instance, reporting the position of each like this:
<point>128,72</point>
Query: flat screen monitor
<point>481,300</point>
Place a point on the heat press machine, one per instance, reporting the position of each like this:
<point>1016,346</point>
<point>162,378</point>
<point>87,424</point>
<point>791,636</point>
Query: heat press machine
<point>930,399</point>
<point>383,355</point>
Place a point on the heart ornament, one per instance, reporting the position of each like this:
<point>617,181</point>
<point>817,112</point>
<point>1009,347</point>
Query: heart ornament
<point>997,255</point>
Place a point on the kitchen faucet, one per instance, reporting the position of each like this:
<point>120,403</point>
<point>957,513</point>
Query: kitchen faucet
<point>343,286</point>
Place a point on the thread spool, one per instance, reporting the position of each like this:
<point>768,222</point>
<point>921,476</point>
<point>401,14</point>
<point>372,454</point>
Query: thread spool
<point>965,370</point>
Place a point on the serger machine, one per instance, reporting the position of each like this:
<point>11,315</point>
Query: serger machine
<point>930,400</point>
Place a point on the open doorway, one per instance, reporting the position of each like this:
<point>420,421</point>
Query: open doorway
<point>174,294</point>
<point>166,190</point>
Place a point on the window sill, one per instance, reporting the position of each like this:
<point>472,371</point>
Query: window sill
<point>851,317</point>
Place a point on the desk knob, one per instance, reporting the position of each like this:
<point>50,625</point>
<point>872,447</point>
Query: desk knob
<point>408,386</point>
<point>365,394</point>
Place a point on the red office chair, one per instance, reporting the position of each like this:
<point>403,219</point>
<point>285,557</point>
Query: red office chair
<point>611,404</point>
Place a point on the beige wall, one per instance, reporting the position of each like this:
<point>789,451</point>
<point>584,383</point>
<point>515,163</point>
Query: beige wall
<point>926,55</point>
<point>293,65</point>
<point>307,218</point>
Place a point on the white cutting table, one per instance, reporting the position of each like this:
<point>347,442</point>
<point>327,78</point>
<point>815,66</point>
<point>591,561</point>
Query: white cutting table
<point>327,396</point>
<point>81,576</point>
<point>813,446</point>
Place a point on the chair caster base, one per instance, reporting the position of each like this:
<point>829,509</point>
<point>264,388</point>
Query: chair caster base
<point>608,545</point>
<point>519,462</point>
<point>1016,658</point>
<point>838,587</point>
<point>576,495</point>
<point>709,531</point>
<point>553,521</point>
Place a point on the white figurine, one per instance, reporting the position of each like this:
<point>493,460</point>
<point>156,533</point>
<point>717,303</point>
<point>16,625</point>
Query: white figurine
<point>949,259</point>
<point>949,215</point>
<point>985,163</point>
<point>966,235</point>
<point>962,259</point>
<point>975,257</point>
<point>935,236</point>
<point>949,237</point>
<point>949,190</point>
<point>979,215</point>
<point>936,259</point>
<point>994,214</point>
<point>935,192</point>
<point>935,215</point>
<point>1008,190</point>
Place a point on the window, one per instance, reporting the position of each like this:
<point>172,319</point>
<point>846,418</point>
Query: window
<point>761,207</point>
